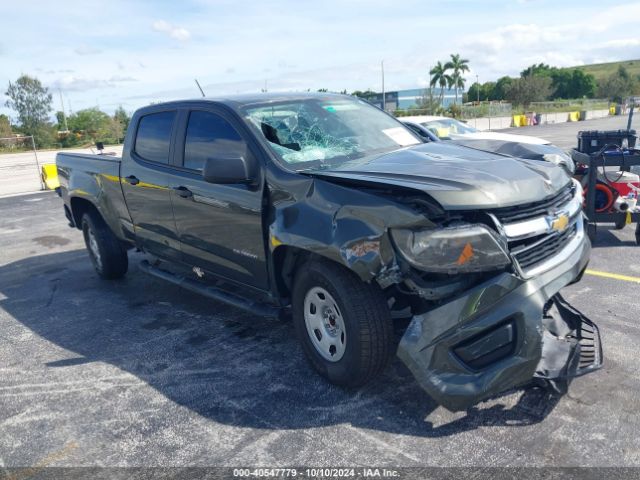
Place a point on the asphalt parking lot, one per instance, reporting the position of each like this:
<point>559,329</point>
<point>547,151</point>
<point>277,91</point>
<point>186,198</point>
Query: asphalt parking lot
<point>564,134</point>
<point>140,373</point>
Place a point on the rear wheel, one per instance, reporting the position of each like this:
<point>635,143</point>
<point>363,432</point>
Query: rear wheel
<point>343,323</point>
<point>107,254</point>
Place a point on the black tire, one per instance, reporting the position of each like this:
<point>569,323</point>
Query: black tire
<point>592,230</point>
<point>620,220</point>
<point>112,262</point>
<point>638,233</point>
<point>367,322</point>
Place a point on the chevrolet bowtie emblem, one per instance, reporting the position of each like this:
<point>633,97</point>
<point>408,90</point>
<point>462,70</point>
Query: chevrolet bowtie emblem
<point>559,223</point>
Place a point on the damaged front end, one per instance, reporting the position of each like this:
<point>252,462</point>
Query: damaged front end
<point>481,285</point>
<point>501,334</point>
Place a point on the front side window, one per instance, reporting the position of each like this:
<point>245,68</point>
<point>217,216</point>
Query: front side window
<point>317,132</point>
<point>209,134</point>
<point>154,136</point>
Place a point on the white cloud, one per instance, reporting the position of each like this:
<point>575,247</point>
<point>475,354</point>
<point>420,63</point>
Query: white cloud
<point>177,33</point>
<point>87,50</point>
<point>74,83</point>
<point>622,42</point>
<point>298,45</point>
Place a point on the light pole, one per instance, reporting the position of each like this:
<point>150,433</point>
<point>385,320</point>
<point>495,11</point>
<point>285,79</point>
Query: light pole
<point>384,99</point>
<point>478,88</point>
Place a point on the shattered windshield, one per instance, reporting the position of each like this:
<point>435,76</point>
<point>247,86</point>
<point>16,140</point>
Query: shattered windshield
<point>318,132</point>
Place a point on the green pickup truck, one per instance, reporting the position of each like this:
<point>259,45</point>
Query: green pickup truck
<point>325,209</point>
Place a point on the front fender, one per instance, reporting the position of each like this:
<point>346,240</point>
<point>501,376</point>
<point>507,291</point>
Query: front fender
<point>342,224</point>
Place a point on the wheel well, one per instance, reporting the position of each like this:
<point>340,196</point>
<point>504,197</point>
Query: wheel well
<point>286,260</point>
<point>80,206</point>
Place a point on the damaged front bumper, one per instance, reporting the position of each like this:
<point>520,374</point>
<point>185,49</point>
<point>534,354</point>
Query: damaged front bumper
<point>502,334</point>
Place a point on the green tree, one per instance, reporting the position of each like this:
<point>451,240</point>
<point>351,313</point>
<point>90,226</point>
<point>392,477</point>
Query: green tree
<point>488,91</point>
<point>114,132</point>
<point>123,117</point>
<point>32,102</point>
<point>501,87</point>
<point>561,84</point>
<point>572,83</point>
<point>523,91</point>
<point>582,84</point>
<point>5,127</point>
<point>363,94</point>
<point>623,73</point>
<point>475,92</point>
<point>95,125</point>
<point>441,78</point>
<point>617,86</point>
<point>541,69</point>
<point>61,120</point>
<point>458,66</point>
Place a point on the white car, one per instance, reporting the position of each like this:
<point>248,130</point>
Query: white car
<point>431,128</point>
<point>447,128</point>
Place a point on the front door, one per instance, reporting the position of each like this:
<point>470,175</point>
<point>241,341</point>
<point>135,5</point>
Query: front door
<point>219,226</point>
<point>145,183</point>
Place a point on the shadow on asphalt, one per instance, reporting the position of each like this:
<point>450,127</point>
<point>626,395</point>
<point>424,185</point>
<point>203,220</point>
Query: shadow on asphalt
<point>606,236</point>
<point>220,362</point>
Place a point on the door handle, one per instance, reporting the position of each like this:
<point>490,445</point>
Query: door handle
<point>132,179</point>
<point>184,192</point>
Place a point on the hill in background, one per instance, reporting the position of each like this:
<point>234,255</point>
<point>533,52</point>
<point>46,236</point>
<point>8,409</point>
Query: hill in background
<point>603,70</point>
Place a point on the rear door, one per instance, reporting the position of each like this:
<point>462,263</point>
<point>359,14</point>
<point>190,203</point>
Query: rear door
<point>219,226</point>
<point>145,182</point>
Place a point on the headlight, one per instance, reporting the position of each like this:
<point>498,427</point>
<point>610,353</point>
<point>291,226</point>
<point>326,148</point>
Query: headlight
<point>467,248</point>
<point>562,160</point>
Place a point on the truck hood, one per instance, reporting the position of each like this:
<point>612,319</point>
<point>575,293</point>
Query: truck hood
<point>458,178</point>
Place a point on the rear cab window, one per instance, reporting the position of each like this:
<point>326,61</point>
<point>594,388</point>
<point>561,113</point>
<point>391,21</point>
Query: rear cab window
<point>153,137</point>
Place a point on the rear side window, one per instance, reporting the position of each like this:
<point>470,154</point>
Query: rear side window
<point>154,136</point>
<point>209,135</point>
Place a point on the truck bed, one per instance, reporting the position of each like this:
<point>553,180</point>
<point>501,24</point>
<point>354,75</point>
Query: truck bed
<point>95,178</point>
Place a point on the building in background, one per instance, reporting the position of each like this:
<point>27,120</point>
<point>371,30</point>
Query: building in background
<point>405,99</point>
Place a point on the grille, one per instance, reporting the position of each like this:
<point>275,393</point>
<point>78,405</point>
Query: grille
<point>531,254</point>
<point>536,209</point>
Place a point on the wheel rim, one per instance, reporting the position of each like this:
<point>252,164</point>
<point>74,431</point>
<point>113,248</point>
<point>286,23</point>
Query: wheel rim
<point>325,325</point>
<point>92,243</point>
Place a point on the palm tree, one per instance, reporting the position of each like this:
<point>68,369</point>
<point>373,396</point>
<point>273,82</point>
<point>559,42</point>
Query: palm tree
<point>440,77</point>
<point>459,66</point>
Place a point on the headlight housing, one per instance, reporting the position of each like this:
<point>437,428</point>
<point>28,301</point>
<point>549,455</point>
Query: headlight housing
<point>562,160</point>
<point>452,250</point>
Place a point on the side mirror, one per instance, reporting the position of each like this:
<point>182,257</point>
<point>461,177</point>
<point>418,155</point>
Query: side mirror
<point>228,169</point>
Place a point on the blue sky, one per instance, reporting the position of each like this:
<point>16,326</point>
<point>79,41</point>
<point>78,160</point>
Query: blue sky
<point>116,52</point>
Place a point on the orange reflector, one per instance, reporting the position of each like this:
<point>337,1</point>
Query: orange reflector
<point>466,255</point>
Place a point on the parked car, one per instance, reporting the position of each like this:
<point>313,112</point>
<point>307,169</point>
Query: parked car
<point>431,128</point>
<point>326,207</point>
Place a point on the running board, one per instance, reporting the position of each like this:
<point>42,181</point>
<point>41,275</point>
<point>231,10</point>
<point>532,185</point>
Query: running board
<point>220,295</point>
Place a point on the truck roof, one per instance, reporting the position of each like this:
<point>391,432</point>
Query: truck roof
<point>236,101</point>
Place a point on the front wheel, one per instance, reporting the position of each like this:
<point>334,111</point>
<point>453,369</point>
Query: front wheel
<point>107,254</point>
<point>343,323</point>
